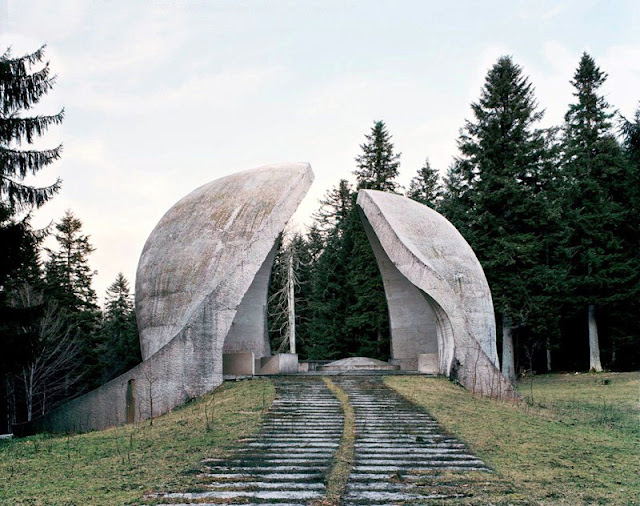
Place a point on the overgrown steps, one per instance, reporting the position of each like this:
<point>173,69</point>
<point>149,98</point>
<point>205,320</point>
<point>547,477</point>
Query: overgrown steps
<point>401,454</point>
<point>287,462</point>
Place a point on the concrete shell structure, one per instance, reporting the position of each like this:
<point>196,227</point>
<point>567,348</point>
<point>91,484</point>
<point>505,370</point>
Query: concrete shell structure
<point>439,301</point>
<point>201,288</point>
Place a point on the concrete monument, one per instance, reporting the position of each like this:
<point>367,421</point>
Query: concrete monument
<point>201,291</point>
<point>440,306</point>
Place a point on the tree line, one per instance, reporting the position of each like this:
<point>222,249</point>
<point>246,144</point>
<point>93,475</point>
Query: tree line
<point>56,341</point>
<point>552,214</point>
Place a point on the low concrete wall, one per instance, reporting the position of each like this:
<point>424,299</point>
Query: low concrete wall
<point>282,363</point>
<point>239,364</point>
<point>406,364</point>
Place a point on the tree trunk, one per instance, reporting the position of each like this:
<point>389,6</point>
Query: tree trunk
<point>508,366</point>
<point>548,356</point>
<point>594,346</point>
<point>292,306</point>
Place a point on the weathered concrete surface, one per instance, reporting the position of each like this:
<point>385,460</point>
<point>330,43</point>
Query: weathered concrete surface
<point>212,245</point>
<point>239,364</point>
<point>359,364</point>
<point>202,274</point>
<point>438,297</point>
<point>428,363</point>
<point>280,363</point>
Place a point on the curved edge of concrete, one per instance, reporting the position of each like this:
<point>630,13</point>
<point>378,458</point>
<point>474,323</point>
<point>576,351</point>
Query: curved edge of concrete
<point>426,264</point>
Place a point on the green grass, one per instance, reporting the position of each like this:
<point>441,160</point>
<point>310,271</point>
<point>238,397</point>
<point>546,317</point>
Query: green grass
<point>118,466</point>
<point>574,439</point>
<point>344,457</point>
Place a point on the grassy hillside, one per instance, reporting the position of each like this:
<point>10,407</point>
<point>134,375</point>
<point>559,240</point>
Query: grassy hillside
<point>575,439</point>
<point>117,466</point>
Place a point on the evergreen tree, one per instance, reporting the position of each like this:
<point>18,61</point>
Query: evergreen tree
<point>596,196</point>
<point>68,281</point>
<point>425,186</point>
<point>377,166</point>
<point>22,87</point>
<point>330,300</point>
<point>495,195</point>
<point>119,336</point>
<point>23,82</point>
<point>625,346</point>
<point>334,208</point>
<point>367,321</point>
<point>69,276</point>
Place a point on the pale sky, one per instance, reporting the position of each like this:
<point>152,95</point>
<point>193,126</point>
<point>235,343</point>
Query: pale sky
<point>164,96</point>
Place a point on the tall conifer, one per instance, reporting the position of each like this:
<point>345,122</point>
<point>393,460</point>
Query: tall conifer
<point>594,169</point>
<point>496,196</point>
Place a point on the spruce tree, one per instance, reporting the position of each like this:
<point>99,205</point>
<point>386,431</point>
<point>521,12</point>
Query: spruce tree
<point>495,195</point>
<point>377,166</point>
<point>594,169</point>
<point>21,88</point>
<point>69,276</point>
<point>68,280</point>
<point>425,186</point>
<point>120,347</point>
<point>24,81</point>
<point>625,346</point>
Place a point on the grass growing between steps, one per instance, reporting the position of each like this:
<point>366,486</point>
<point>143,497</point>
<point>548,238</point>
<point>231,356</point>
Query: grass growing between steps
<point>344,457</point>
<point>574,439</point>
<point>117,466</point>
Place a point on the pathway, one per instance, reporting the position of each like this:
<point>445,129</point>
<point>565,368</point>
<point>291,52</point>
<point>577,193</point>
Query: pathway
<point>400,452</point>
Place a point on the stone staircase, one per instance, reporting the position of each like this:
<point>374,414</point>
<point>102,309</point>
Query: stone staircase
<point>287,462</point>
<point>401,455</point>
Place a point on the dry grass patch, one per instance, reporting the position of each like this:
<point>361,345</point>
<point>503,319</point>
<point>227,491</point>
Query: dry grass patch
<point>344,457</point>
<point>574,439</point>
<point>117,466</point>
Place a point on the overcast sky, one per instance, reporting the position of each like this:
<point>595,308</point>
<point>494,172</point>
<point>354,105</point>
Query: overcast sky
<point>164,96</point>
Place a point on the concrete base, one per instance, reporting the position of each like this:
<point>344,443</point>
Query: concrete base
<point>239,364</point>
<point>282,363</point>
<point>405,364</point>
<point>359,364</point>
<point>311,365</point>
<point>429,363</point>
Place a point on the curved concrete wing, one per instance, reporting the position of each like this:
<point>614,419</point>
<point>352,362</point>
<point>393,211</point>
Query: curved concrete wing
<point>439,302</point>
<point>201,287</point>
<point>212,243</point>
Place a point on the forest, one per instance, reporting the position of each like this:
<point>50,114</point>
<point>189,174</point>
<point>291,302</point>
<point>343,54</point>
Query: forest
<point>552,214</point>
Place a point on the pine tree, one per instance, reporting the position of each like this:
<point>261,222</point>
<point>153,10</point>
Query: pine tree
<point>495,195</point>
<point>23,82</point>
<point>594,168</point>
<point>625,346</point>
<point>68,280</point>
<point>334,208</point>
<point>21,88</point>
<point>425,186</point>
<point>69,275</point>
<point>377,166</point>
<point>119,336</point>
